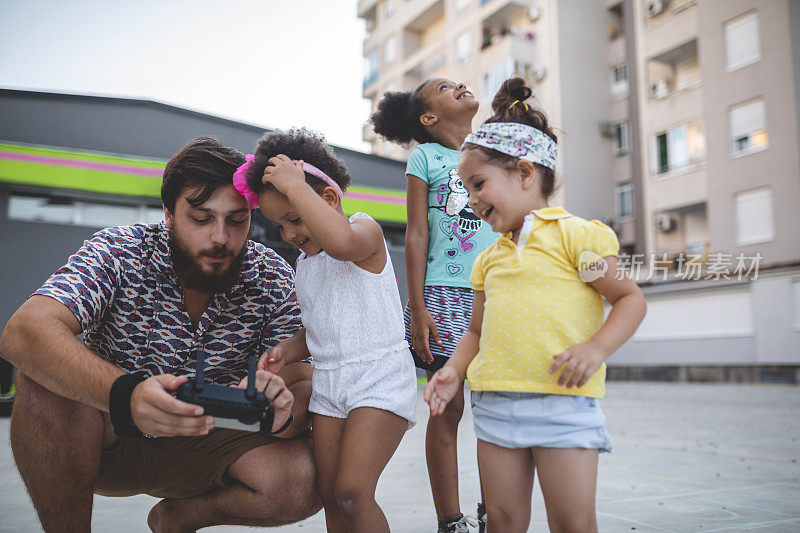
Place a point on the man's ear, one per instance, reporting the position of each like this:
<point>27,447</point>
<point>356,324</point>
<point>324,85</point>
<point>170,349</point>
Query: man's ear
<point>527,173</point>
<point>428,119</point>
<point>167,217</point>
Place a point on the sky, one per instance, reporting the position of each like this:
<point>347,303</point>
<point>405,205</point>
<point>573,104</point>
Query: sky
<point>273,63</point>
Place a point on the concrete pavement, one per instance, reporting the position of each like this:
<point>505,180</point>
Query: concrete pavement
<point>687,457</point>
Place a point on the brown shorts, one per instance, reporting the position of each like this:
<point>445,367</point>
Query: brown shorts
<point>174,467</point>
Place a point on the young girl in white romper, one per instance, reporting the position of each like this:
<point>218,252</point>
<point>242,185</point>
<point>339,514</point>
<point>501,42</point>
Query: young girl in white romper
<point>364,385</point>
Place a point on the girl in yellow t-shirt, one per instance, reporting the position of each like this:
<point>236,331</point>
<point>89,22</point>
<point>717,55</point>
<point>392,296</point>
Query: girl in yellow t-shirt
<point>536,345</point>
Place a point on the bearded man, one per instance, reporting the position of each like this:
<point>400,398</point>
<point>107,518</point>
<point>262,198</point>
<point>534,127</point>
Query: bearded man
<point>99,415</point>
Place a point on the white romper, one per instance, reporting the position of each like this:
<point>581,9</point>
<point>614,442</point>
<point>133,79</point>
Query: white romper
<point>355,335</point>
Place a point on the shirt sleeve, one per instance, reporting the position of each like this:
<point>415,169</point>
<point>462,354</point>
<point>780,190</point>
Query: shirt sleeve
<point>284,317</point>
<point>478,276</point>
<point>88,282</point>
<point>589,241</point>
<point>418,165</point>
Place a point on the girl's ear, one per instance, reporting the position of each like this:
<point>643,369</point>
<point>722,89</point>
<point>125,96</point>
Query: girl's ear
<point>527,172</point>
<point>428,119</point>
<point>330,196</point>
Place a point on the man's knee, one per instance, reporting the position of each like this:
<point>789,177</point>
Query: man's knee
<point>286,479</point>
<point>40,412</point>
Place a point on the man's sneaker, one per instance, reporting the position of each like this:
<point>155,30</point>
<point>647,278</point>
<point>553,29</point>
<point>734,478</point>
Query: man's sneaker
<point>457,524</point>
<point>481,518</point>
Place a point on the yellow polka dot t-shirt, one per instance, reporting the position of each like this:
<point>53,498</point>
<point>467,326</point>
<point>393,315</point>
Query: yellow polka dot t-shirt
<point>537,306</point>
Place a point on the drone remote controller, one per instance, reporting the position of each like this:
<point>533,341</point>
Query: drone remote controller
<point>243,408</point>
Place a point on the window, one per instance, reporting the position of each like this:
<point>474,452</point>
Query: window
<point>56,210</point>
<point>753,216</point>
<point>370,67</point>
<point>463,47</point>
<point>619,81</point>
<point>623,200</point>
<point>741,42</point>
<point>622,138</point>
<point>676,149</point>
<point>103,215</point>
<point>40,209</point>
<point>390,49</point>
<point>493,79</point>
<point>748,128</point>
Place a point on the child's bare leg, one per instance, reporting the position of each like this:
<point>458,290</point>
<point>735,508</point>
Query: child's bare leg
<point>370,438</point>
<point>441,456</point>
<point>327,444</point>
<point>568,478</point>
<point>507,476</point>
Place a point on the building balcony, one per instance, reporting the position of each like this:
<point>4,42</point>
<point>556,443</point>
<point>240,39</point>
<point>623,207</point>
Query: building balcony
<point>501,14</point>
<point>673,27</point>
<point>367,133</point>
<point>675,105</point>
<point>685,186</point>
<point>367,9</point>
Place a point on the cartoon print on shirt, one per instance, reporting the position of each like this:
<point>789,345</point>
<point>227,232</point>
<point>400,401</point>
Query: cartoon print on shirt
<point>462,223</point>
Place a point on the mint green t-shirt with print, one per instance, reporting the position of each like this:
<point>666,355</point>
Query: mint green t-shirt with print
<point>456,234</point>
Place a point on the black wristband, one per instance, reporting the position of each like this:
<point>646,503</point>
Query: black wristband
<point>119,404</point>
<point>285,425</point>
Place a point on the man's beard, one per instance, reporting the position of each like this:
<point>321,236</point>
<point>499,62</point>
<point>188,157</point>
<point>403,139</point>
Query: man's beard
<point>191,274</point>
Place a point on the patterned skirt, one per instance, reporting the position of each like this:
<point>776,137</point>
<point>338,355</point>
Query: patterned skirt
<point>451,309</point>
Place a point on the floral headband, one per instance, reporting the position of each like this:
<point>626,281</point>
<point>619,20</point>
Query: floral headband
<point>240,180</point>
<point>516,140</point>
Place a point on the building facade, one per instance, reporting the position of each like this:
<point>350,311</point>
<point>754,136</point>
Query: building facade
<point>680,127</point>
<point>72,164</point>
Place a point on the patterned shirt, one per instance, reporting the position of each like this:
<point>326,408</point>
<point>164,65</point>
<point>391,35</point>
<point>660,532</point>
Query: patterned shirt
<point>121,287</point>
<point>455,233</point>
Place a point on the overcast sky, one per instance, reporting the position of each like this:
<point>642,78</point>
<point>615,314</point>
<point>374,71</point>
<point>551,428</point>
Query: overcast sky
<point>275,63</point>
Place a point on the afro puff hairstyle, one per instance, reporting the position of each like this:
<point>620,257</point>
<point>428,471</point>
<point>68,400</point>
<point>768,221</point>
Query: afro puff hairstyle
<point>297,144</point>
<point>397,117</point>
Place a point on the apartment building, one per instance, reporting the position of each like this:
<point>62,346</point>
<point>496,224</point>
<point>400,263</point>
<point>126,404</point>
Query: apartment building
<point>680,128</point>
<point>706,130</point>
<point>551,43</point>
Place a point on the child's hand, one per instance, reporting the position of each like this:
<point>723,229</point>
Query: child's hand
<point>273,360</point>
<point>423,328</point>
<point>278,394</point>
<point>283,174</point>
<point>442,387</point>
<point>579,363</point>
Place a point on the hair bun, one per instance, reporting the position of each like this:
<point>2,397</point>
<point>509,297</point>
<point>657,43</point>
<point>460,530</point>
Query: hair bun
<point>512,90</point>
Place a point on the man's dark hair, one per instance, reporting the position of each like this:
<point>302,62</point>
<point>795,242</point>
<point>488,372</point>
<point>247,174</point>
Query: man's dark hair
<point>203,163</point>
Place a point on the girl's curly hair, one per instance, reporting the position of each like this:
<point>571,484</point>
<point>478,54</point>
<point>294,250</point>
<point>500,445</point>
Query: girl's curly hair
<point>297,143</point>
<point>509,105</point>
<point>397,117</point>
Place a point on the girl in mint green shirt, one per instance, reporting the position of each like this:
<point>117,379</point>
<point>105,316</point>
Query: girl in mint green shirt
<point>443,238</point>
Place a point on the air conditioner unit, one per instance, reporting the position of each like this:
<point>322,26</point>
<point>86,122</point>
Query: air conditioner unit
<point>665,223</point>
<point>659,90</point>
<point>538,72</point>
<point>534,13</point>
<point>607,129</point>
<point>656,7</point>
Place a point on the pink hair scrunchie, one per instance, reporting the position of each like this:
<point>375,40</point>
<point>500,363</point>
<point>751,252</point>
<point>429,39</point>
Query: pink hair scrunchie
<point>240,182</point>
